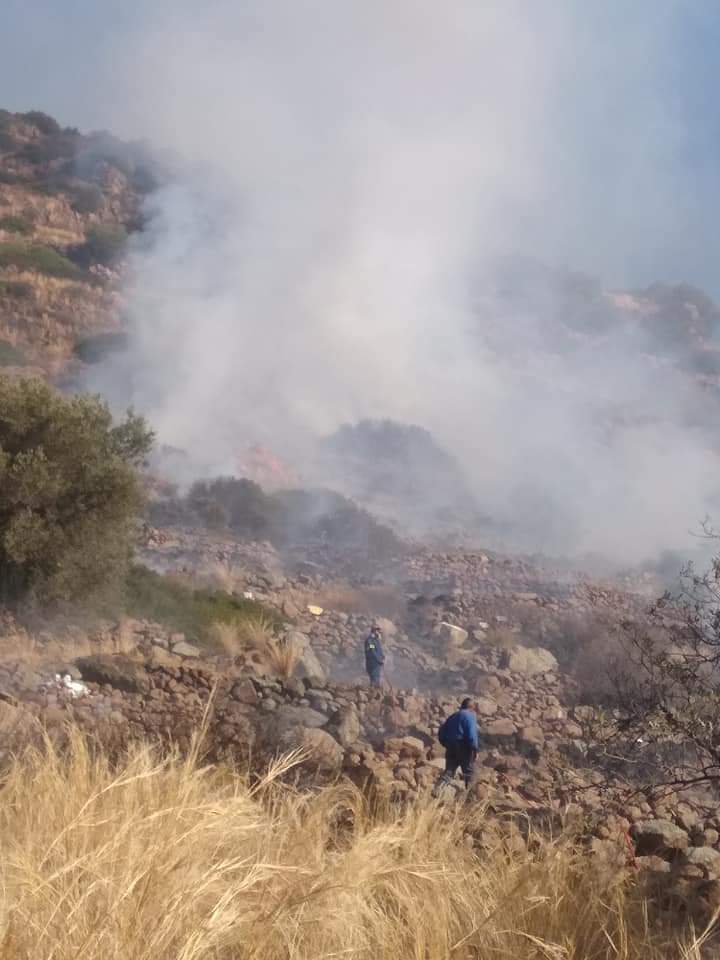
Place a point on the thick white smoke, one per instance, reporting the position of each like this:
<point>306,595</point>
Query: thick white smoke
<point>350,168</point>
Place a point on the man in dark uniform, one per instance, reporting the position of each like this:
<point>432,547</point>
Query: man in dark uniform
<point>374,656</point>
<point>459,735</point>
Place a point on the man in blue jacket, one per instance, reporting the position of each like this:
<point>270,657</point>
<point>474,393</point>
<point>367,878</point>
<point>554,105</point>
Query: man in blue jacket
<point>374,656</point>
<point>459,735</point>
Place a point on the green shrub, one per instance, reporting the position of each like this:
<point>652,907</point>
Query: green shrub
<point>86,198</point>
<point>105,244</point>
<point>96,348</point>
<point>15,224</point>
<point>38,258</point>
<point>44,123</point>
<point>10,355</point>
<point>18,289</point>
<point>167,600</point>
<point>70,493</point>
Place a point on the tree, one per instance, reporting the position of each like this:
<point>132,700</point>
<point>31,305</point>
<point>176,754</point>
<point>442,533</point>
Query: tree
<point>665,728</point>
<point>70,493</point>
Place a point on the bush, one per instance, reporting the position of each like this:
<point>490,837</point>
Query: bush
<point>39,259</point>
<point>18,289</point>
<point>14,224</point>
<point>71,493</point>
<point>98,347</point>
<point>170,601</point>
<point>105,244</point>
<point>44,123</point>
<point>86,198</point>
<point>10,356</point>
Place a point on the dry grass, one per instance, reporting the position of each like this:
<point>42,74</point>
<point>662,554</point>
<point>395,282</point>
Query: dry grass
<point>280,656</point>
<point>168,861</point>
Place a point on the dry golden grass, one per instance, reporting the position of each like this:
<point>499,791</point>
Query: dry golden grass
<point>257,634</point>
<point>164,860</point>
<point>372,601</point>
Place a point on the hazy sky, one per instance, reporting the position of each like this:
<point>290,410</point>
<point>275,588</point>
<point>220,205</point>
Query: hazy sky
<point>634,117</point>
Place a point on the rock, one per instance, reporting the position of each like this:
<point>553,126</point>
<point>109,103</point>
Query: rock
<point>529,661</point>
<point>405,746</point>
<point>348,727</point>
<point>245,692</point>
<point>387,627</point>
<point>288,717</point>
<point>324,752</point>
<point>119,672</point>
<point>450,635</point>
<point>653,864</point>
<point>485,706</point>
<point>706,858</point>
<point>531,738</point>
<point>658,837</point>
<point>308,663</point>
<point>185,649</point>
<point>498,731</point>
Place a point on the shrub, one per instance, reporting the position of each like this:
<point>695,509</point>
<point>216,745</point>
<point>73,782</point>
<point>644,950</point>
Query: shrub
<point>86,198</point>
<point>44,123</point>
<point>16,288</point>
<point>71,493</point>
<point>10,355</point>
<point>15,224</point>
<point>170,601</point>
<point>38,258</point>
<point>105,244</point>
<point>98,347</point>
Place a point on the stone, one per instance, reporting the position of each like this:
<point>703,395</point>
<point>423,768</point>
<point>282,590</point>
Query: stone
<point>706,858</point>
<point>245,692</point>
<point>119,672</point>
<point>288,717</point>
<point>501,729</point>
<point>348,726</point>
<point>324,753</point>
<point>485,706</point>
<point>531,738</point>
<point>653,864</point>
<point>387,627</point>
<point>529,661</point>
<point>308,663</point>
<point>186,650</point>
<point>658,837</point>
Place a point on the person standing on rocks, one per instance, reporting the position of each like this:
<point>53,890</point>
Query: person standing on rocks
<point>374,656</point>
<point>459,735</point>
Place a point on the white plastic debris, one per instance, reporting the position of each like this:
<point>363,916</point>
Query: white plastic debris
<point>248,595</point>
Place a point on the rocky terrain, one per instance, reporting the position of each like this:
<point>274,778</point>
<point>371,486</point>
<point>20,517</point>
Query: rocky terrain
<point>507,631</point>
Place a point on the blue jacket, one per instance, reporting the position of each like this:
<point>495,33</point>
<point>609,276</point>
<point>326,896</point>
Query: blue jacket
<point>461,727</point>
<point>374,656</point>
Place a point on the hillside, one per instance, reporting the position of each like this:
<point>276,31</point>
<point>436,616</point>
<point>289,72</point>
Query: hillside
<point>68,203</point>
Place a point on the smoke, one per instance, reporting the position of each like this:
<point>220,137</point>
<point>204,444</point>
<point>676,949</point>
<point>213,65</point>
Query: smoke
<point>328,248</point>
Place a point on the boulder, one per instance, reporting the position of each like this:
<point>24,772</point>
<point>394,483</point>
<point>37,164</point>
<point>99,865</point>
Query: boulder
<point>348,726</point>
<point>529,661</point>
<point>658,838</point>
<point>412,747</point>
<point>324,753</point>
<point>119,672</point>
<point>290,717</point>
<point>244,692</point>
<point>185,649</point>
<point>498,731</point>
<point>706,858</point>
<point>485,706</point>
<point>308,663</point>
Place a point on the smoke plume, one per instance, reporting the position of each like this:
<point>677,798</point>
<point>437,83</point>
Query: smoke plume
<point>333,246</point>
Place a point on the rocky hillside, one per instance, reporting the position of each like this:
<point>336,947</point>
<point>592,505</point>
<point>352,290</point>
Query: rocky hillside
<point>67,205</point>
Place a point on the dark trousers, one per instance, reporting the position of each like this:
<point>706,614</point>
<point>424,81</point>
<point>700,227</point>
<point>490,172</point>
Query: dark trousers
<point>459,755</point>
<point>374,672</point>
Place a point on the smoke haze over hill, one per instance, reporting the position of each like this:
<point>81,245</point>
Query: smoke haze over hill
<point>327,252</point>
